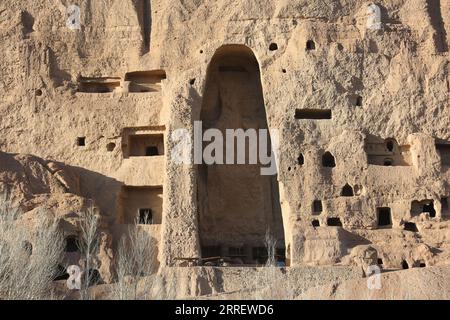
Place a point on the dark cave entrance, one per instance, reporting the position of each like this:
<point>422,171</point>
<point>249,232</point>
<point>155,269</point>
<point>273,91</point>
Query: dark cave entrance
<point>237,205</point>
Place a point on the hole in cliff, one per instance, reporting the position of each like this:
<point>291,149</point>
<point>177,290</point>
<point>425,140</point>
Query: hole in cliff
<point>314,114</point>
<point>384,216</point>
<point>145,145</point>
<point>38,92</point>
<point>405,265</point>
<point>347,191</point>
<point>110,146</point>
<point>273,47</point>
<point>192,82</point>
<point>310,45</point>
<point>380,261</point>
<point>424,206</point>
<point>145,216</point>
<point>359,101</point>
<point>283,70</point>
<point>81,141</point>
<point>328,160</point>
<point>422,264</point>
<point>429,207</point>
<point>301,159</point>
<point>71,244</point>
<point>340,47</point>
<point>317,206</point>
<point>410,226</point>
<point>334,222</point>
<point>315,223</point>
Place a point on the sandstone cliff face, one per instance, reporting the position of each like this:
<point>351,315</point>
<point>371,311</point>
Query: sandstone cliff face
<point>363,116</point>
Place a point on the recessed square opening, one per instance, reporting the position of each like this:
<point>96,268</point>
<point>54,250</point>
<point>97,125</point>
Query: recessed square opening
<point>315,223</point>
<point>81,141</point>
<point>313,114</point>
<point>424,206</point>
<point>443,150</point>
<point>410,226</point>
<point>143,205</point>
<point>334,222</point>
<point>137,144</point>
<point>317,207</point>
<point>384,217</point>
<point>71,244</point>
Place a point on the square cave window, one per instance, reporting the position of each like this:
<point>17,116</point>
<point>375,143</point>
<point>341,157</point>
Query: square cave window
<point>410,226</point>
<point>142,205</point>
<point>315,223</point>
<point>384,217</point>
<point>334,222</point>
<point>144,145</point>
<point>317,206</point>
<point>145,216</point>
<point>71,244</point>
<point>81,141</point>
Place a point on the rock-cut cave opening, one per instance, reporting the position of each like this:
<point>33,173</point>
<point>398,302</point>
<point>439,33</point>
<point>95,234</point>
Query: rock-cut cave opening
<point>238,207</point>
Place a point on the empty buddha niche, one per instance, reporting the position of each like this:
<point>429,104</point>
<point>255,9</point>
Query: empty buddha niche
<point>237,205</point>
<point>387,152</point>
